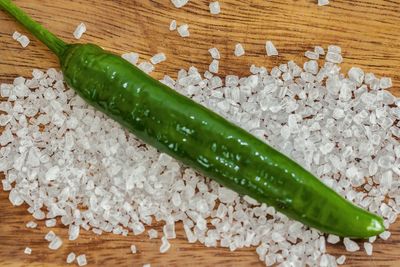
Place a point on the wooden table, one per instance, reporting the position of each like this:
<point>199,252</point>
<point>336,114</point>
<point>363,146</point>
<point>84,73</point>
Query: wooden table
<point>367,30</point>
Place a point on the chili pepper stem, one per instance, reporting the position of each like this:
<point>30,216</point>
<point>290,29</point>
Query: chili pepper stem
<point>54,43</point>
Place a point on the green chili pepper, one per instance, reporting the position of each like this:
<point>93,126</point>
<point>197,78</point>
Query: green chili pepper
<point>200,138</point>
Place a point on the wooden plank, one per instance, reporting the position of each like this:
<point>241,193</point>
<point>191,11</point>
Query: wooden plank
<point>367,30</point>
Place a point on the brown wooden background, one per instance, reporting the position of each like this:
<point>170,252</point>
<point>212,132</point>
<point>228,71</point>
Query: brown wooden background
<point>367,30</point>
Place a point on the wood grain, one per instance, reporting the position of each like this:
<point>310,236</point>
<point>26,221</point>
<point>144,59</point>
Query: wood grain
<point>367,30</point>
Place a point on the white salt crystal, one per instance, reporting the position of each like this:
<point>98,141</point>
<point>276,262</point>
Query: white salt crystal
<point>71,257</point>
<point>165,245</point>
<point>16,35</point>
<point>52,173</point>
<point>183,30</point>
<point>50,236</point>
<point>356,75</point>
<point>385,83</point>
<point>214,66</point>
<point>31,224</point>
<point>152,233</point>
<point>179,3</point>
<point>372,239</point>
<point>81,260</point>
<point>271,49</point>
<point>28,251</point>
<point>80,30</point>
<point>146,67</point>
<point>23,40</point>
<point>368,248</point>
<point>333,57</point>
<point>385,235</point>
<point>319,50</point>
<point>312,55</point>
<point>350,245</point>
<point>131,57</point>
<point>333,239</point>
<point>169,230</point>
<point>172,25</point>
<point>158,58</point>
<point>214,53</point>
<point>341,260</point>
<point>239,50</point>
<point>323,2</point>
<point>133,249</point>
<point>73,232</point>
<point>56,243</point>
<point>15,198</point>
<point>226,195</point>
<point>147,265</point>
<point>215,8</point>
<point>335,49</point>
<point>51,223</point>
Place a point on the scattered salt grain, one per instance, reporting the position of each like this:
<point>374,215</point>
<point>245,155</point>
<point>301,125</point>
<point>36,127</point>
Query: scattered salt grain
<point>239,50</point>
<point>368,248</point>
<point>147,265</point>
<point>28,251</point>
<point>158,58</point>
<point>56,243</point>
<point>357,75</point>
<point>81,260</point>
<point>271,49</point>
<point>215,8</point>
<point>350,245</point>
<point>319,50</point>
<point>214,53</point>
<point>183,30</point>
<point>71,257</point>
<point>31,224</point>
<point>73,232</point>
<point>131,57</point>
<point>50,223</point>
<point>146,67</point>
<point>23,40</point>
<point>214,66</point>
<point>323,2</point>
<point>341,260</point>
<point>16,35</point>
<point>152,233</point>
<point>79,31</point>
<point>172,25</point>
<point>133,249</point>
<point>385,235</point>
<point>333,239</point>
<point>385,83</point>
<point>165,245</point>
<point>179,3</point>
<point>50,236</point>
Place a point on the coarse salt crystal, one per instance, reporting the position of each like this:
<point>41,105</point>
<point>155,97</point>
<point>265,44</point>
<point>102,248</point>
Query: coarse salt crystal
<point>133,249</point>
<point>368,248</point>
<point>214,53</point>
<point>183,30</point>
<point>179,3</point>
<point>271,49</point>
<point>80,30</point>
<point>16,35</point>
<point>131,57</point>
<point>165,245</point>
<point>81,260</point>
<point>333,239</point>
<point>341,260</point>
<point>23,40</point>
<point>215,8</point>
<point>172,25</point>
<point>71,257</point>
<point>146,67</point>
<point>158,58</point>
<point>214,66</point>
<point>239,50</point>
<point>50,236</point>
<point>56,243</point>
<point>323,2</point>
<point>350,245</point>
<point>28,251</point>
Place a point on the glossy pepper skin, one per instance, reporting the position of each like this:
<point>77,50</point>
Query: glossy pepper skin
<point>200,138</point>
